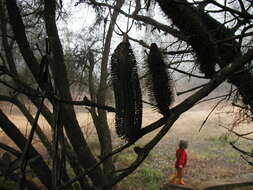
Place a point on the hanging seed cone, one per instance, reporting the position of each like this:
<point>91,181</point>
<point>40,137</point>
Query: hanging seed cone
<point>159,81</point>
<point>127,92</point>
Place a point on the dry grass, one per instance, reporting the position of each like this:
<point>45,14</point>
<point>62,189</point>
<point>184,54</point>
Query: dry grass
<point>210,156</point>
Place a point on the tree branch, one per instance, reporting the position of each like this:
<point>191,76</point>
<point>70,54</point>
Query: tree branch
<point>242,14</point>
<point>10,150</point>
<point>173,116</point>
<point>181,108</point>
<point>71,125</point>
<point>190,90</point>
<point>186,73</point>
<point>240,150</point>
<point>21,39</point>
<point>144,19</point>
<point>209,114</point>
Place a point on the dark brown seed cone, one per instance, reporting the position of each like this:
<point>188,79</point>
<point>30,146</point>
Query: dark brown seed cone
<point>159,82</point>
<point>188,20</point>
<point>127,92</point>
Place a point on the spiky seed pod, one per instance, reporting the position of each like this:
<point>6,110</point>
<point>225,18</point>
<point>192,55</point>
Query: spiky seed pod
<point>159,81</point>
<point>127,92</point>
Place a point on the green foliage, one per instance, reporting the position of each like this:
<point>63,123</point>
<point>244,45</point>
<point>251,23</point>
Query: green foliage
<point>220,140</point>
<point>153,186</point>
<point>7,184</point>
<point>94,146</point>
<point>150,175</point>
<point>127,157</point>
<point>124,159</point>
<point>148,178</point>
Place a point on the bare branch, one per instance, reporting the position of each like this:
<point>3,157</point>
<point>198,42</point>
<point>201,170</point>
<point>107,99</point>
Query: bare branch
<point>7,36</point>
<point>10,150</point>
<point>144,19</point>
<point>20,37</point>
<point>234,37</point>
<point>213,98</point>
<point>186,73</point>
<point>209,114</point>
<point>28,91</point>
<point>240,150</point>
<point>85,102</point>
<point>249,162</point>
<point>24,157</point>
<point>95,166</point>
<point>190,90</point>
<point>173,116</point>
<point>242,14</point>
<point>238,134</point>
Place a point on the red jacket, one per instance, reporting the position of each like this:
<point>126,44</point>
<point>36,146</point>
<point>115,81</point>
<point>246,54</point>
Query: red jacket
<point>181,156</point>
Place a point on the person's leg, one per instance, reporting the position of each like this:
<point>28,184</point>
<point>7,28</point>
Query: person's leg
<point>180,176</point>
<point>173,178</point>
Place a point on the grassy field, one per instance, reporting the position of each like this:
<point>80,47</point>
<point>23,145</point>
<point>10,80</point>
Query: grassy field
<point>210,157</point>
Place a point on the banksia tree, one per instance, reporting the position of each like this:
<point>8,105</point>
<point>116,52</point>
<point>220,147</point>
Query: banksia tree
<point>127,91</point>
<point>158,81</point>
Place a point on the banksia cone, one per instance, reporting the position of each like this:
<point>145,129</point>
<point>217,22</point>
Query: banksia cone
<point>127,91</point>
<point>158,81</point>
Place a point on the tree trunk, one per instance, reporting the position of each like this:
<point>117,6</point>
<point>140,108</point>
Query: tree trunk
<point>6,45</point>
<point>71,125</point>
<point>12,67</point>
<point>100,117</point>
<point>72,159</point>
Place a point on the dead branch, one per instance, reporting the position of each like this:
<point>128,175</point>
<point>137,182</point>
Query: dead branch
<point>239,134</point>
<point>209,114</point>
<point>190,90</point>
<point>186,73</point>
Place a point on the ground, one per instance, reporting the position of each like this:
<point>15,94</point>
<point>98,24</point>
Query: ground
<point>210,157</point>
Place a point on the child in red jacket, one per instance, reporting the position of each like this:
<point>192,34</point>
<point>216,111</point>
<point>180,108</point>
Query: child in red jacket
<point>181,161</point>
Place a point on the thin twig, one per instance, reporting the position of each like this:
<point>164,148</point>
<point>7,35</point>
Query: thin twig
<point>190,90</point>
<point>213,98</point>
<point>210,114</point>
<point>95,166</point>
<point>10,150</point>
<point>144,101</point>
<point>238,134</point>
<point>28,91</point>
<point>24,157</point>
<point>249,162</point>
<point>239,106</point>
<point>189,74</point>
<point>85,102</point>
<point>240,150</point>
